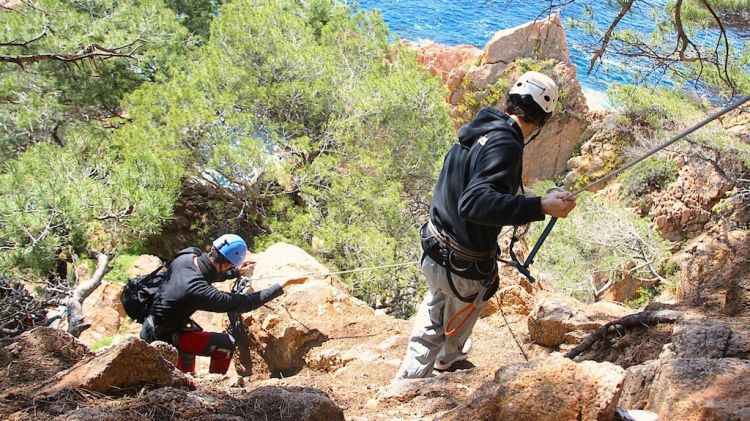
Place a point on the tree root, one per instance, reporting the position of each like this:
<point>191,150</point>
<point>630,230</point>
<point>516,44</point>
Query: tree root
<point>644,318</point>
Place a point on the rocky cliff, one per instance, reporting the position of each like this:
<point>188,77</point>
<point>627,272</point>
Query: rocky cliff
<point>480,79</point>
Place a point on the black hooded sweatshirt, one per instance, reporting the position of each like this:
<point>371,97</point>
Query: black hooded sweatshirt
<point>475,195</point>
<point>188,289</point>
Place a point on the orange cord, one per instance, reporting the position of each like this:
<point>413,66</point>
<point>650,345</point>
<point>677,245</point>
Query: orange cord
<point>470,308</point>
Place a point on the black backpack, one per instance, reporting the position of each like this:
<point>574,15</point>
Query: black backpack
<point>139,293</point>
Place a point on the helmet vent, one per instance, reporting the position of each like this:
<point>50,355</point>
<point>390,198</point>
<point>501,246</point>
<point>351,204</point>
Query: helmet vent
<point>546,98</point>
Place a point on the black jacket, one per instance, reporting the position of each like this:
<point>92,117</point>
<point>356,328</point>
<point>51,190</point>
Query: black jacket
<point>188,289</point>
<point>475,195</point>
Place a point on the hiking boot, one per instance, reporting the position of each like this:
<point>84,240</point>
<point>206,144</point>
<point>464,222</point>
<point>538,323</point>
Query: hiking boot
<point>445,365</point>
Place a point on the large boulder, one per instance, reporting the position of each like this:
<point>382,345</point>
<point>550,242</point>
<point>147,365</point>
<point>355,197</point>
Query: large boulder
<point>557,320</point>
<point>293,404</point>
<point>309,316</point>
<point>553,388</point>
<point>707,280</point>
<point>539,45</point>
<point>544,37</point>
<point>701,389</point>
<point>132,363</point>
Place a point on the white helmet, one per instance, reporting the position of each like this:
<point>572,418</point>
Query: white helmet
<point>542,89</point>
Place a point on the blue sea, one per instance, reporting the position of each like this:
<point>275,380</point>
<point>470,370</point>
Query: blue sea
<point>453,22</point>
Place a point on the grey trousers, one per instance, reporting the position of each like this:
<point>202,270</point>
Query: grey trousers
<point>428,340</point>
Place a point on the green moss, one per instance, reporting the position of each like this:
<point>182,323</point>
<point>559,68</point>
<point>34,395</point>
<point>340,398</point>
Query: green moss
<point>101,343</point>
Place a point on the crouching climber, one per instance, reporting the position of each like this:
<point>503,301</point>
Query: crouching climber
<point>187,289</point>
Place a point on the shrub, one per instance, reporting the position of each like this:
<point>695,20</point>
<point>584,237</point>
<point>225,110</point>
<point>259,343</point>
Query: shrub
<point>598,235</point>
<point>650,175</point>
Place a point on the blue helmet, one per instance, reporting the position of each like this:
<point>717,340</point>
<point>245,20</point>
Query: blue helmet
<point>232,247</point>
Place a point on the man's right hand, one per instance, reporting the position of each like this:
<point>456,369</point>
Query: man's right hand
<point>558,204</point>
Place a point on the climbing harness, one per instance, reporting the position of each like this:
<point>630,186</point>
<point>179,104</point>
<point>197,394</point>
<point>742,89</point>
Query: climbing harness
<point>456,259</point>
<point>523,267</point>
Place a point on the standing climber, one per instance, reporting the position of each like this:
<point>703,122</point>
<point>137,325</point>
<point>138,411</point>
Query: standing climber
<point>475,196</point>
<point>188,289</point>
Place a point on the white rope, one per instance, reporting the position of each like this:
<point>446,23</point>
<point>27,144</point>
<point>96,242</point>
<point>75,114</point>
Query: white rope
<point>341,272</point>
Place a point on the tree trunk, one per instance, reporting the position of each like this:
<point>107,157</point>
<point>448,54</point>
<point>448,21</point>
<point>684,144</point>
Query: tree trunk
<point>76,321</point>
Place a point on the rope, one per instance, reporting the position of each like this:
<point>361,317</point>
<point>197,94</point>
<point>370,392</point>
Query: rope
<point>688,131</point>
<point>341,272</point>
<point>500,307</point>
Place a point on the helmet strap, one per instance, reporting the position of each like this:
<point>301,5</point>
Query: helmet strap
<point>538,131</point>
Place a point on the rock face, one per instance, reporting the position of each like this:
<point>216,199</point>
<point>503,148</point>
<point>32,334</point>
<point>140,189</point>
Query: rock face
<point>132,363</point>
<point>544,37</point>
<point>104,311</point>
<point>682,210</point>
<point>441,60</point>
<point>554,388</point>
<point>555,321</point>
<point>700,375</point>
<point>539,46</point>
<point>637,384</point>
<point>702,389</point>
<point>308,316</point>
<point>707,280</point>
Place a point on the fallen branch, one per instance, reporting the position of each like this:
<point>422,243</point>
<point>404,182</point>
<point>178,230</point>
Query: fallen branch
<point>644,318</point>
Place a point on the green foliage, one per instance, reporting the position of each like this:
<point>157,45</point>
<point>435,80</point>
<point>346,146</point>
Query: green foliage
<point>645,294</point>
<point>696,12</point>
<point>691,50</point>
<point>650,175</point>
<point>50,98</point>
<point>119,271</point>
<point>657,108</point>
<point>598,235</point>
<point>88,194</point>
<point>196,15</point>
<point>310,112</point>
